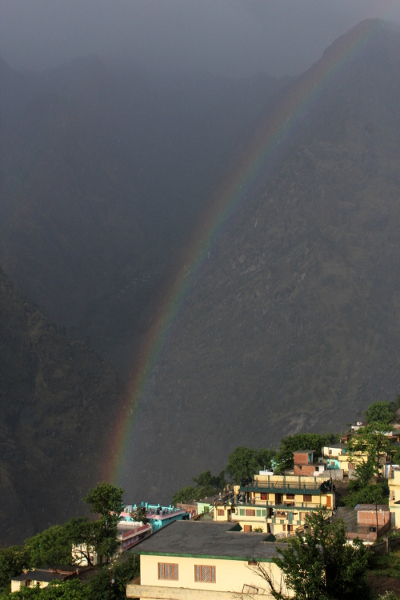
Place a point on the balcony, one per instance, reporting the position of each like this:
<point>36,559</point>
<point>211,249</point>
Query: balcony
<point>283,488</point>
<point>280,521</point>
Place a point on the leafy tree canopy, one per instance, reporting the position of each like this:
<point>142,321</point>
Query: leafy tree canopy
<point>320,565</point>
<point>12,561</point>
<point>244,462</point>
<point>206,485</point>
<point>381,412</point>
<point>105,499</point>
<point>186,494</point>
<point>51,546</point>
<point>367,494</point>
<point>301,441</point>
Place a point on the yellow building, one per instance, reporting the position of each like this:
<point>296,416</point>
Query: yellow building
<point>42,577</point>
<point>348,462</point>
<point>277,504</point>
<point>192,560</point>
<point>394,495</point>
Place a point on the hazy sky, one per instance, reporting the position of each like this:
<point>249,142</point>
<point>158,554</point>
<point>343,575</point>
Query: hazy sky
<point>233,37</point>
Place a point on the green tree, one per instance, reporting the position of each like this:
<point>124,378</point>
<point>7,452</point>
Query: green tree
<point>206,485</point>
<point>372,493</point>
<point>51,546</point>
<point>320,565</point>
<point>244,462</point>
<point>87,536</point>
<point>111,582</point>
<point>186,494</point>
<point>12,561</point>
<point>106,500</point>
<point>301,441</point>
<point>381,412</point>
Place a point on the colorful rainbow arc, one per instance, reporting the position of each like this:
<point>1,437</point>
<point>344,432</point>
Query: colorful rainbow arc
<point>234,189</point>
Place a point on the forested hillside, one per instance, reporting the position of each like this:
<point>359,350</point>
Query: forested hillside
<point>57,402</point>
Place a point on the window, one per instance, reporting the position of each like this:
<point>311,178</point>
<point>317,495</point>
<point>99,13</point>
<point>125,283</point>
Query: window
<point>220,512</point>
<point>204,574</point>
<point>307,498</point>
<point>264,496</point>
<point>250,512</point>
<point>330,452</point>
<point>290,496</point>
<point>168,571</point>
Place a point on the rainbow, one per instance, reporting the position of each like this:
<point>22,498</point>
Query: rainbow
<point>233,190</point>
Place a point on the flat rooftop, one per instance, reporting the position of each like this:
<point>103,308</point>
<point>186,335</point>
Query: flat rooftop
<point>214,540</point>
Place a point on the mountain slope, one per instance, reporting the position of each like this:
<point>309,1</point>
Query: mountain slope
<point>103,173</point>
<point>293,324</point>
<point>57,399</point>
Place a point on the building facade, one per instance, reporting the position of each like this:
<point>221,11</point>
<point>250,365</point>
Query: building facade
<point>195,561</point>
<point>277,504</point>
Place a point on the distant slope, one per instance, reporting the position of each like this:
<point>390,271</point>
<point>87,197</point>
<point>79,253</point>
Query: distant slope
<point>293,323</point>
<point>57,400</point>
<point>103,173</point>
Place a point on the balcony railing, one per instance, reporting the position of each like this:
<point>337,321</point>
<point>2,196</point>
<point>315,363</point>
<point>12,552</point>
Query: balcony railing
<point>282,487</point>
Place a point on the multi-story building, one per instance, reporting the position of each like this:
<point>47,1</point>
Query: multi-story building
<point>277,504</point>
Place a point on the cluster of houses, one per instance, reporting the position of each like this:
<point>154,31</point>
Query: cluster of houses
<point>220,546</point>
<point>226,557</point>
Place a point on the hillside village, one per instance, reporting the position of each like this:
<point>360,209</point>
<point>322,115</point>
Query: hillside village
<point>231,543</point>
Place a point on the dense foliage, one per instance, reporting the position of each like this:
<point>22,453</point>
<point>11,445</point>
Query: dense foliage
<point>206,485</point>
<point>244,462</point>
<point>54,545</point>
<point>372,493</point>
<point>320,565</point>
<point>107,583</point>
<point>382,412</point>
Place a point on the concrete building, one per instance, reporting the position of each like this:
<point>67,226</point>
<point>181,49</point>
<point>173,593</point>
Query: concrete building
<point>304,464</point>
<point>372,521</point>
<point>277,504</point>
<point>191,560</point>
<point>331,455</point>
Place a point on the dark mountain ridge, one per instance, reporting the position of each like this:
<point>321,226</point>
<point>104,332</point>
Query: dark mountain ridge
<point>293,322</point>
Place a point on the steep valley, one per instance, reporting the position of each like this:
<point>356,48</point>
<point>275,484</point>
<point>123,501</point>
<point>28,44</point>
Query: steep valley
<point>291,322</point>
